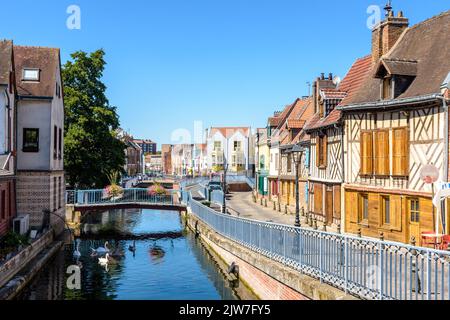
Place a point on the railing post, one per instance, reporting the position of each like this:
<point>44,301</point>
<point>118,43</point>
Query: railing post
<point>428,275</point>
<point>320,258</point>
<point>346,266</point>
<point>381,268</point>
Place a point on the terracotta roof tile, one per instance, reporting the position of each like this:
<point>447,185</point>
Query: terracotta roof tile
<point>347,88</point>
<point>227,132</point>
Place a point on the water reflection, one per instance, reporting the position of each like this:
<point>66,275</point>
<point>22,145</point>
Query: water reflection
<point>148,269</point>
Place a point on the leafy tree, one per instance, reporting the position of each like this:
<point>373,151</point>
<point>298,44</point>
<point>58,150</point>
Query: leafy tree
<point>92,147</point>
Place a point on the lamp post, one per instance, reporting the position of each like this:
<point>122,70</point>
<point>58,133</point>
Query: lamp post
<point>297,152</point>
<point>224,189</point>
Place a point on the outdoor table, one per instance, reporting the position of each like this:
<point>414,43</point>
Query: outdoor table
<point>437,237</point>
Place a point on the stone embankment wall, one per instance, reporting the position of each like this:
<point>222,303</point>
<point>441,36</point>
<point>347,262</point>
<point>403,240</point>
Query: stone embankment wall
<point>268,279</point>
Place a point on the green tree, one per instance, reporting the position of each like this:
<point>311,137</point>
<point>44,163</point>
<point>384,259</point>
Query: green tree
<point>92,148</point>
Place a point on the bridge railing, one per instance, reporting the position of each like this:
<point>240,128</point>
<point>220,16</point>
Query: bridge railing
<point>366,268</point>
<point>133,195</point>
<point>193,181</point>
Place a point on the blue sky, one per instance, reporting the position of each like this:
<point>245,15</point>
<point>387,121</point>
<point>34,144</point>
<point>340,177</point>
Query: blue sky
<point>223,62</point>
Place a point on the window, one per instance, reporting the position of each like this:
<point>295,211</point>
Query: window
<point>366,153</point>
<point>217,145</point>
<point>237,146</point>
<point>60,144</point>
<point>321,150</point>
<point>262,162</point>
<point>382,166</point>
<point>400,152</point>
<point>363,208</point>
<point>414,210</point>
<point>289,162</point>
<point>55,142</point>
<point>387,89</point>
<point>386,209</point>
<point>30,140</point>
<point>30,74</point>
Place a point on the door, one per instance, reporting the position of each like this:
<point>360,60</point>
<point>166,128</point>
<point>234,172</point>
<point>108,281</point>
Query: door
<point>414,220</point>
<point>329,205</point>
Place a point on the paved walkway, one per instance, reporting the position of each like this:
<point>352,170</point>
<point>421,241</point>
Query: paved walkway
<point>242,203</point>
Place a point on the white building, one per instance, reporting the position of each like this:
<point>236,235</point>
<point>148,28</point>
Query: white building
<point>233,146</point>
<point>40,128</point>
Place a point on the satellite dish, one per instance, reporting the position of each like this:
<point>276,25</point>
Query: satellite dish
<point>337,80</point>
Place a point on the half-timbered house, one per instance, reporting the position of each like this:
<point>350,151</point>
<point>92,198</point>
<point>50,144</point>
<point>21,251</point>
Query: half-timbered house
<point>326,131</point>
<point>394,125</point>
<point>289,136</point>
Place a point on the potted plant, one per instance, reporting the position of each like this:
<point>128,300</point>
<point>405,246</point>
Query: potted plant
<point>113,191</point>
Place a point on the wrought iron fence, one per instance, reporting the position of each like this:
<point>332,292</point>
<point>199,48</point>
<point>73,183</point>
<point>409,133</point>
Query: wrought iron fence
<point>135,195</point>
<point>366,268</point>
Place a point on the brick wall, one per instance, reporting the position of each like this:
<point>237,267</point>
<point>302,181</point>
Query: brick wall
<point>7,205</point>
<point>39,191</point>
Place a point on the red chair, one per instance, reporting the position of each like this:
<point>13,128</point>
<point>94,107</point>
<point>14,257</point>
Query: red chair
<point>445,245</point>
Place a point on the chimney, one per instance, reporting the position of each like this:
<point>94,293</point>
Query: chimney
<point>330,76</point>
<point>386,34</point>
<point>322,76</point>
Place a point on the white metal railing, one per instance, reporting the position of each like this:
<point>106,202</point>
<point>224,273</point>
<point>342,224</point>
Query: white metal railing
<point>100,196</point>
<point>367,268</point>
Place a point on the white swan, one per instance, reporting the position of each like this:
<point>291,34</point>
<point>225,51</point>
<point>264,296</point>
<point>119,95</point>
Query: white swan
<point>77,253</point>
<point>104,261</point>
<point>101,250</point>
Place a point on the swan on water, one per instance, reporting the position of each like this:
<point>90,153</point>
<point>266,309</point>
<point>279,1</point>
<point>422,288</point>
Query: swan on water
<point>104,261</point>
<point>101,250</point>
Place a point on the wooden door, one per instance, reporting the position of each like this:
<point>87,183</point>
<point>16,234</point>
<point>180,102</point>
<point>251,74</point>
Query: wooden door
<point>329,205</point>
<point>414,220</point>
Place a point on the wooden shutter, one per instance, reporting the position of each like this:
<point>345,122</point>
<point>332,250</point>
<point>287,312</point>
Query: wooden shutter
<point>318,147</point>
<point>318,198</point>
<point>337,202</point>
<point>396,212</point>
<point>400,155</point>
<point>382,153</point>
<point>325,151</point>
<point>366,153</point>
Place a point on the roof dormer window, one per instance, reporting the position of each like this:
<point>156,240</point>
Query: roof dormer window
<point>31,74</point>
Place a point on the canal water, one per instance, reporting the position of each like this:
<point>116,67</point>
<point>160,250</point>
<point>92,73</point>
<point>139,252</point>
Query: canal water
<point>169,263</point>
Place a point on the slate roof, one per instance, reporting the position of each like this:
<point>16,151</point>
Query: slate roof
<point>422,50</point>
<point>6,50</point>
<point>47,60</point>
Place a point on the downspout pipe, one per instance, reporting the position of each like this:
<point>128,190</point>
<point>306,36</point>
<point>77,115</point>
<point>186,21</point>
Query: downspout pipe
<point>446,155</point>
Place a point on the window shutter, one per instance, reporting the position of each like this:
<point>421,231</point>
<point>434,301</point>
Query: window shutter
<point>366,153</point>
<point>325,151</point>
<point>400,152</point>
<point>382,153</point>
<point>318,151</point>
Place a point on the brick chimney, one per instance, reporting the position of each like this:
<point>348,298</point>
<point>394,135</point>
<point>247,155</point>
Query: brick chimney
<point>387,33</point>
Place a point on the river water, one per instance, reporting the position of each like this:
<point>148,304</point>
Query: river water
<point>176,267</point>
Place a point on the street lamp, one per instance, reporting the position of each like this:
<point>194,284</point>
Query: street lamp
<point>297,152</point>
<point>224,189</point>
